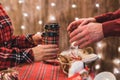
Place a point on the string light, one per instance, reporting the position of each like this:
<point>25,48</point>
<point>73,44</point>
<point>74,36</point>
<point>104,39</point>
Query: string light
<point>116,61</point>
<point>53,4</point>
<point>99,44</point>
<point>40,33</point>
<point>38,7</point>
<point>23,27</point>
<point>40,22</point>
<point>97,67</point>
<point>97,5</point>
<point>116,71</point>
<point>119,49</point>
<point>100,56</point>
<point>76,18</point>
<point>74,5</point>
<point>7,8</point>
<point>52,18</point>
<point>21,1</point>
<point>25,14</point>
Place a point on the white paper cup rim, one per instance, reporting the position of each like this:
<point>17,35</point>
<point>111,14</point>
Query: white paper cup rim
<point>105,76</point>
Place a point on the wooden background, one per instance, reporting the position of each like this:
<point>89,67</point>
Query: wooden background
<point>27,19</point>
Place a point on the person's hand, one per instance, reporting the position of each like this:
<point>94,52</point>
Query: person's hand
<point>37,38</point>
<point>86,34</point>
<point>41,51</point>
<point>79,22</point>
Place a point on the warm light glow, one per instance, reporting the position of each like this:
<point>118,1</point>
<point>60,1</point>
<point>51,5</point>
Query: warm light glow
<point>38,7</point>
<point>40,33</point>
<point>97,5</point>
<point>97,66</point>
<point>53,4</point>
<point>116,71</point>
<point>74,5</point>
<point>40,22</point>
<point>52,18</point>
<point>21,1</point>
<point>100,56</point>
<point>116,61</point>
<point>76,18</point>
<point>25,14</point>
<point>23,27</point>
<point>119,49</point>
<point>7,8</point>
<point>99,44</point>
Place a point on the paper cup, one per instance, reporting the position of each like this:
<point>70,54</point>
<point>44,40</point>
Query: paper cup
<point>105,76</point>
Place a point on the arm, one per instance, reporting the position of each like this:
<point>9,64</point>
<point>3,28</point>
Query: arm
<point>111,28</point>
<point>13,57</point>
<point>23,41</point>
<point>108,16</point>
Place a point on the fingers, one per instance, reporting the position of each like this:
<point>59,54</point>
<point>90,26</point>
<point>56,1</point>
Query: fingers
<point>85,44</point>
<point>82,40</point>
<point>84,22</point>
<point>51,50</point>
<point>75,32</point>
<point>74,25</point>
<point>78,36</point>
<point>48,46</point>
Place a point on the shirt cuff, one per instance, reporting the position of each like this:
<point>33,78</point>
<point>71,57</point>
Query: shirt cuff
<point>111,28</point>
<point>25,57</point>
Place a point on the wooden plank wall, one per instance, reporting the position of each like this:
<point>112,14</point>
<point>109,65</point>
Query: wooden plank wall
<point>64,14</point>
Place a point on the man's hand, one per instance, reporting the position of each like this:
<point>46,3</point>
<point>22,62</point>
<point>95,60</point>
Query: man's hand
<point>84,35</point>
<point>79,22</point>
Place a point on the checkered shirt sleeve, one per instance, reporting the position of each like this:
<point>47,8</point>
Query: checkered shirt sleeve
<point>14,50</point>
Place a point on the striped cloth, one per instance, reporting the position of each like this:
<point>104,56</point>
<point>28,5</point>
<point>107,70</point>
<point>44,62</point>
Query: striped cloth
<point>41,71</point>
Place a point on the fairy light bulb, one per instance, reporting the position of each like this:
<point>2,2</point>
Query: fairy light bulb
<point>39,33</point>
<point>25,14</point>
<point>100,56</point>
<point>116,71</point>
<point>38,7</point>
<point>119,49</point>
<point>97,5</point>
<point>116,61</point>
<point>74,5</point>
<point>99,44</point>
<point>21,1</point>
<point>7,8</point>
<point>23,27</point>
<point>52,18</point>
<point>40,22</point>
<point>53,4</point>
<point>76,18</point>
<point>97,67</point>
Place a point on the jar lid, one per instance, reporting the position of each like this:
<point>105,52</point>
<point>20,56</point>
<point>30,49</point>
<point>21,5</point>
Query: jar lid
<point>49,34</point>
<point>52,26</point>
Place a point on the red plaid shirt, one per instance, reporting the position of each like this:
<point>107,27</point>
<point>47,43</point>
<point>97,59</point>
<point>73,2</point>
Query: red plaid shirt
<point>110,22</point>
<point>14,50</point>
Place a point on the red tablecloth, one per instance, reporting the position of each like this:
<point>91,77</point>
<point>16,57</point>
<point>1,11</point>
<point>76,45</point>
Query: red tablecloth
<point>41,71</point>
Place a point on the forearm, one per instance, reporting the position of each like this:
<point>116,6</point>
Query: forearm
<point>13,57</point>
<point>23,41</point>
<point>111,28</point>
<point>108,16</point>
